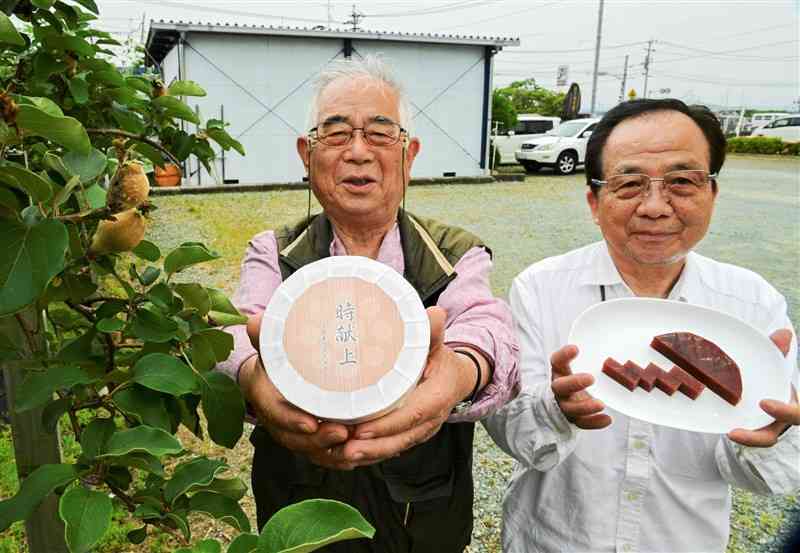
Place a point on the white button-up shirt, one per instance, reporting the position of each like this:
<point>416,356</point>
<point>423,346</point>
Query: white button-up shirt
<point>633,486</point>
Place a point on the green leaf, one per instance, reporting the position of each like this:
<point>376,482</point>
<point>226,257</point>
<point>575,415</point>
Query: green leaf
<point>142,461</point>
<point>110,77</point>
<point>64,194</point>
<point>220,394</point>
<point>194,297</point>
<point>225,140</point>
<point>199,471</point>
<point>38,388</point>
<point>45,104</point>
<point>221,341</point>
<point>186,88</point>
<point>138,535</point>
<point>44,4</point>
<point>45,65</point>
<point>79,89</point>
<point>244,543</point>
<point>89,5</point>
<point>234,488</point>
<point>9,33</point>
<point>205,546</point>
<point>153,327</point>
<point>111,324</point>
<point>96,196</point>
<point>142,438</point>
<point>165,373</point>
<point>9,199</point>
<point>149,276</point>
<point>173,107</point>
<point>186,255</point>
<point>202,353</point>
<point>144,405</point>
<point>37,187</point>
<point>79,349</point>
<point>129,121</point>
<point>141,84</point>
<point>87,516</point>
<point>38,485</point>
<point>181,522</point>
<point>147,250</point>
<point>67,43</point>
<point>30,257</point>
<point>153,155</point>
<point>65,131</point>
<point>53,411</point>
<point>221,508</point>
<point>87,166</point>
<point>223,312</point>
<point>95,437</point>
<point>288,531</point>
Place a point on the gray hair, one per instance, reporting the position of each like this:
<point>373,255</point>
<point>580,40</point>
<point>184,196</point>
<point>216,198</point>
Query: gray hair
<point>370,67</point>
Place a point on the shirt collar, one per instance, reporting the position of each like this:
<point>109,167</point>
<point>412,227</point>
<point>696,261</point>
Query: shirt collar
<point>390,252</point>
<point>603,272</point>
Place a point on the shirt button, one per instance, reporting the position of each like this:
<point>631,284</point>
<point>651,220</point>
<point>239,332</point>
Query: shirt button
<point>639,444</point>
<point>627,547</point>
<point>632,496</point>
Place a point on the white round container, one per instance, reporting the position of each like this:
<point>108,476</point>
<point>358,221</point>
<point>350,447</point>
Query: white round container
<point>345,338</point>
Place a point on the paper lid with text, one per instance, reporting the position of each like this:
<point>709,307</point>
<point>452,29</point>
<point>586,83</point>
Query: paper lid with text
<point>345,338</point>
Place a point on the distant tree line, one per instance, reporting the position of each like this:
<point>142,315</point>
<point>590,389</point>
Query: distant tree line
<point>523,97</point>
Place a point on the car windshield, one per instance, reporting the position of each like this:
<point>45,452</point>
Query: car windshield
<point>570,128</point>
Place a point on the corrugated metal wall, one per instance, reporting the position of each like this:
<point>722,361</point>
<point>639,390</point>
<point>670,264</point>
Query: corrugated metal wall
<point>251,75</point>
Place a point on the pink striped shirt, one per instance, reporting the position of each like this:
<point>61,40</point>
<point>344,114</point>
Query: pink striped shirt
<point>475,318</point>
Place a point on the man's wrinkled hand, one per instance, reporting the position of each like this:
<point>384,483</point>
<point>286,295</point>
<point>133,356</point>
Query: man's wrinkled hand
<point>785,414</point>
<point>580,408</point>
<point>427,407</point>
<point>289,426</point>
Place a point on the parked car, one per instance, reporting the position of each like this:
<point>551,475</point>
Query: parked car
<point>785,128</point>
<point>563,149</point>
<point>529,125</point>
<point>758,120</point>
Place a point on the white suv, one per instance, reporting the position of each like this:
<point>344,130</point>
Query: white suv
<point>563,149</point>
<point>785,128</point>
<point>529,125</point>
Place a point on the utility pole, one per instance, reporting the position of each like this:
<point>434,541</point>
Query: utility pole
<point>597,55</point>
<point>624,81</point>
<point>355,19</point>
<point>647,65</point>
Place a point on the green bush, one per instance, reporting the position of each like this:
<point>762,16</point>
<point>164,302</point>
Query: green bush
<point>762,145</point>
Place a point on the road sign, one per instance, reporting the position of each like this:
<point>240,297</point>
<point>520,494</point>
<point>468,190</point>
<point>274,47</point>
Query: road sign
<point>562,75</point>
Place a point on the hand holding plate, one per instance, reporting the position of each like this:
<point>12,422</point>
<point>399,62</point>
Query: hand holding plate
<point>580,408</point>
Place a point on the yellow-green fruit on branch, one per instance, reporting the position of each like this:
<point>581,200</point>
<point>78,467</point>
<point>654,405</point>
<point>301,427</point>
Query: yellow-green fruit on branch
<point>121,235</point>
<point>132,187</point>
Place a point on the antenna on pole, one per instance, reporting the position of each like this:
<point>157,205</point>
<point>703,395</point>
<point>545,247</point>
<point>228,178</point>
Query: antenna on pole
<point>355,19</point>
<point>597,55</point>
<point>647,61</point>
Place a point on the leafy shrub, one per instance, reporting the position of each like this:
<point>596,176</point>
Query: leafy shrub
<point>762,145</point>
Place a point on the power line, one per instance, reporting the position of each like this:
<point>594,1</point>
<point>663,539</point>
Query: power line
<point>429,11</point>
<point>701,79</point>
<point>503,16</point>
<point>670,60</point>
<point>738,57</point>
<point>577,49</point>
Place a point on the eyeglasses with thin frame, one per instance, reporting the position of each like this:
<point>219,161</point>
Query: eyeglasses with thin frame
<point>684,183</point>
<point>378,133</point>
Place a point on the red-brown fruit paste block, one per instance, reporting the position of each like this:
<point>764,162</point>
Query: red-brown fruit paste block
<point>663,380</point>
<point>623,374</point>
<point>689,385</point>
<point>648,377</point>
<point>704,360</point>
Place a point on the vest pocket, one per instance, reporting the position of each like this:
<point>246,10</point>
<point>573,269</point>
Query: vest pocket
<point>423,473</point>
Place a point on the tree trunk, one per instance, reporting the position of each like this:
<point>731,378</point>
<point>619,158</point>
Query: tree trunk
<point>33,446</point>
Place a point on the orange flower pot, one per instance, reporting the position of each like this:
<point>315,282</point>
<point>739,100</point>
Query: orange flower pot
<point>168,175</point>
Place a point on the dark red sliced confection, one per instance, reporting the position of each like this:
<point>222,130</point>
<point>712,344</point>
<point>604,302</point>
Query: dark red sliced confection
<point>704,360</point>
<point>621,374</point>
<point>649,376</point>
<point>666,382</point>
<point>689,385</point>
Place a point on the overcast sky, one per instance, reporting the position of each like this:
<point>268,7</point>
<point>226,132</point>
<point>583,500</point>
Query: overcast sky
<point>722,53</point>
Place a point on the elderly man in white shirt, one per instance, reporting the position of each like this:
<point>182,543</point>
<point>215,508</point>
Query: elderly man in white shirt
<point>590,479</point>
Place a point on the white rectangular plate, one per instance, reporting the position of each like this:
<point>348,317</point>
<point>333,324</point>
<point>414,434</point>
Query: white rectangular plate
<point>623,329</point>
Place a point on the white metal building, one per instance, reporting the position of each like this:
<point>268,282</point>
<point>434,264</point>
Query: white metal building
<point>259,79</point>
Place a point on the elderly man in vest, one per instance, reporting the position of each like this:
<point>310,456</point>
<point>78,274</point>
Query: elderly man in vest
<point>594,481</point>
<point>409,472</point>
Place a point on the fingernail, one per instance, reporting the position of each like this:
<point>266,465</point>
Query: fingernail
<point>305,428</point>
<point>358,456</point>
<point>365,436</point>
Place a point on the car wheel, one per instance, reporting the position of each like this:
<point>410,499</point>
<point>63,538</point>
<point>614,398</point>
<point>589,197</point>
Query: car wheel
<point>531,166</point>
<point>566,163</point>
